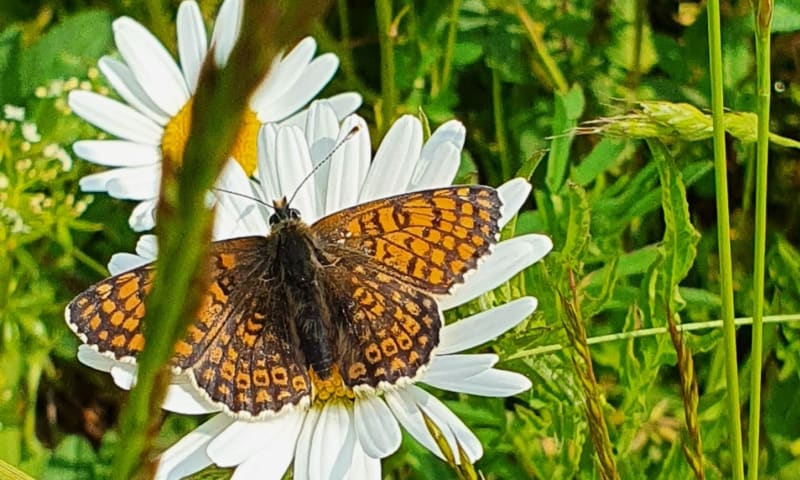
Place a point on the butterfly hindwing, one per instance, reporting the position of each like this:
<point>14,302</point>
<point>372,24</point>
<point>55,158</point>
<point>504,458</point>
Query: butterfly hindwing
<point>428,239</point>
<point>392,327</point>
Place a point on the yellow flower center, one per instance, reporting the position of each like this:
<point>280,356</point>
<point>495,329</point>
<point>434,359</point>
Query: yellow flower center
<point>333,386</point>
<point>173,143</point>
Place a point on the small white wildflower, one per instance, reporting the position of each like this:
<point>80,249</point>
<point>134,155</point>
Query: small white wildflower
<point>13,112</point>
<point>55,88</point>
<point>86,85</point>
<point>65,159</point>
<point>24,164</point>
<point>25,147</point>
<point>70,84</point>
<point>40,92</point>
<point>92,73</point>
<point>50,150</point>
<point>3,182</point>
<point>30,132</point>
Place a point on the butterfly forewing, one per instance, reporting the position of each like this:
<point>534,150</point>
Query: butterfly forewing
<point>237,349</point>
<point>427,239</point>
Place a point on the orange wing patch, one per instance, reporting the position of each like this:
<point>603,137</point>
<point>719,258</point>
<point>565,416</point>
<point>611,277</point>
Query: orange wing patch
<point>428,239</point>
<point>393,327</point>
<point>108,315</point>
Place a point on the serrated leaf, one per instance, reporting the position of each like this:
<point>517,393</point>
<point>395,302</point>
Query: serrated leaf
<point>578,225</point>
<point>680,237</point>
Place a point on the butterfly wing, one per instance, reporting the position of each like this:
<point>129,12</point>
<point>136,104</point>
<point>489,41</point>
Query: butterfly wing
<point>428,239</point>
<point>390,329</point>
<point>237,349</point>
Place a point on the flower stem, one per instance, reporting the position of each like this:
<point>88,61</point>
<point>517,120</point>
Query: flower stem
<point>649,332</point>
<point>499,126</point>
<point>184,225</point>
<point>763,18</point>
<point>452,29</point>
<point>724,240</point>
<point>386,37</point>
<point>534,31</point>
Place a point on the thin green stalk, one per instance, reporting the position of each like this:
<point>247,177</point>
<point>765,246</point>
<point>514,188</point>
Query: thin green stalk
<point>724,240</point>
<point>184,226</point>
<point>636,67</point>
<point>451,43</point>
<point>535,32</point>
<point>649,332</point>
<point>159,21</point>
<point>763,22</point>
<point>499,125</point>
<point>383,9</point>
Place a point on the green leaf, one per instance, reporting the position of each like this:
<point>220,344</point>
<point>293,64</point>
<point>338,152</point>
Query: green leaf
<point>680,237</point>
<point>578,226</point>
<point>568,109</point>
<point>68,49</point>
<point>9,66</point>
<point>786,16</point>
<point>603,156</point>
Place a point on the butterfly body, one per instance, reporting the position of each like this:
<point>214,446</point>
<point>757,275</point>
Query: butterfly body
<point>347,303</point>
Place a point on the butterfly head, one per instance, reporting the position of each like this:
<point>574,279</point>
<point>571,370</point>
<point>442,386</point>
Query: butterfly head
<point>283,212</point>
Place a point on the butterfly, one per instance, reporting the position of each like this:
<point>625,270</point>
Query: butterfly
<point>308,311</point>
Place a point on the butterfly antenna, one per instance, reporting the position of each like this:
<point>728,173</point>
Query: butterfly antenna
<point>255,199</point>
<point>325,160</point>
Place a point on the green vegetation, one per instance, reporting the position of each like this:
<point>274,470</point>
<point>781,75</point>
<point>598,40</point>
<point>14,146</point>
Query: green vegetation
<point>606,106</point>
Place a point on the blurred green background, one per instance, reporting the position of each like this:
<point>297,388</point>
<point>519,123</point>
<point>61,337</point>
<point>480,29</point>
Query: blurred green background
<point>520,75</point>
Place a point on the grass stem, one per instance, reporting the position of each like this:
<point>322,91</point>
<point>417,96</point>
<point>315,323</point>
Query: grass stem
<point>386,36</point>
<point>724,240</point>
<point>763,20</point>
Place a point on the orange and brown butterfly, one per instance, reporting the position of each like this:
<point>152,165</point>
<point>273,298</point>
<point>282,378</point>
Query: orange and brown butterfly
<point>306,312</point>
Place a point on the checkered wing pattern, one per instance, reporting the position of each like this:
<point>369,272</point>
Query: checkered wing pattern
<point>392,328</point>
<point>428,239</point>
<point>235,349</point>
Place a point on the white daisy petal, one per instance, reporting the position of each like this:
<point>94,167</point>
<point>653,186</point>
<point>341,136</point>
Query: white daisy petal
<point>92,358</point>
<point>138,183</point>
<point>114,117</point>
<point>484,326</point>
<point>449,367</point>
<point>489,383</point>
<point>343,105</point>
<point>117,153</point>
<point>314,78</point>
<point>439,170</point>
<point>122,262</point>
<point>273,438</point>
<point>143,216</point>
<point>267,172</point>
<point>189,454</point>
<point>378,432</point>
<point>513,194</point>
<point>302,454</point>
<point>285,72</point>
<point>192,42</point>
<point>408,414</point>
<point>237,216</point>
<point>295,163</point>
<point>124,375</point>
<point>147,247</point>
<point>321,131</point>
<point>394,162</point>
<point>226,30</point>
<point>98,182</point>
<point>508,258</point>
<point>151,64</point>
<point>440,157</point>
<point>363,467</point>
<point>186,399</point>
<point>332,444</point>
<point>447,421</point>
<point>349,165</point>
<point>125,84</point>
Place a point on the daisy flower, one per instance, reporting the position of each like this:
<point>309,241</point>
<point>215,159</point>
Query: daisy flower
<point>158,92</point>
<point>346,436</point>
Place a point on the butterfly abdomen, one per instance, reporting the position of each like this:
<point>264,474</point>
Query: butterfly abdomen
<point>301,273</point>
